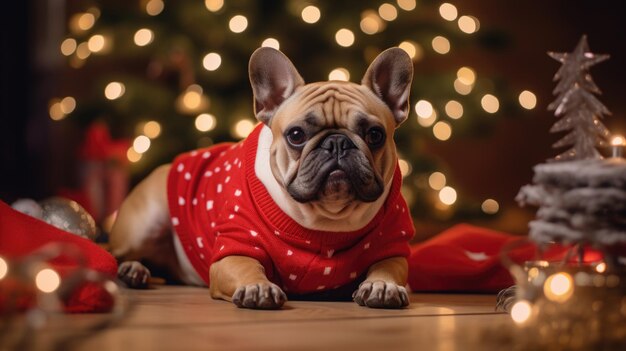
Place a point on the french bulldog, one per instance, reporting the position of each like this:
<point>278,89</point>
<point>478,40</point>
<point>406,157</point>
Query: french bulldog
<point>309,203</point>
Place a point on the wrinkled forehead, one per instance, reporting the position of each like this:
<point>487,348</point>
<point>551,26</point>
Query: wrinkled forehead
<point>332,104</point>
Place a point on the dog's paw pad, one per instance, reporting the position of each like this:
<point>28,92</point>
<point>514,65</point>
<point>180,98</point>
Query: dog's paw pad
<point>265,296</point>
<point>134,274</point>
<point>380,294</point>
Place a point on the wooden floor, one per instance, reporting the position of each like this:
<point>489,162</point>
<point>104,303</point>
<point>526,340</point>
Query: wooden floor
<point>186,318</point>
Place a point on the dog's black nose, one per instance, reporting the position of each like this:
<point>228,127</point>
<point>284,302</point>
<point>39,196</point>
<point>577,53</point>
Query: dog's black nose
<point>337,144</point>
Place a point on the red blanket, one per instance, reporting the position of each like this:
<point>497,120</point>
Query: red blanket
<point>21,235</point>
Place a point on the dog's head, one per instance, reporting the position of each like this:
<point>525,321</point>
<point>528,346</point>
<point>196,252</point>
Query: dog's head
<point>332,141</point>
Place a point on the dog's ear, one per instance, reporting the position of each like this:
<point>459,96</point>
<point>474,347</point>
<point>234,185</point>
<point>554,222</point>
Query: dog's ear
<point>273,78</point>
<point>390,77</point>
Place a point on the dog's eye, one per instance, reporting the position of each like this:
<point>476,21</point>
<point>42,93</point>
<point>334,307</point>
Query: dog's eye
<point>296,136</point>
<point>375,136</point>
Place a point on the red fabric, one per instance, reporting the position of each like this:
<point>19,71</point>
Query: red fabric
<point>220,208</point>
<point>466,258</point>
<point>21,235</point>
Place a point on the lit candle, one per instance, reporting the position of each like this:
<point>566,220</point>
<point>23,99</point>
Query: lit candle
<point>617,146</point>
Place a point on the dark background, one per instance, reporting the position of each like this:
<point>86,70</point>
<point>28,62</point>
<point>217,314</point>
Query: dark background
<point>34,152</point>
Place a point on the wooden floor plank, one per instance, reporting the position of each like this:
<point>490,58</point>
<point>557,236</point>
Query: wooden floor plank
<point>187,318</point>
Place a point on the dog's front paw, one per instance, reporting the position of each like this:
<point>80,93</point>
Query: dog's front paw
<point>380,294</point>
<point>264,296</point>
<point>134,274</point>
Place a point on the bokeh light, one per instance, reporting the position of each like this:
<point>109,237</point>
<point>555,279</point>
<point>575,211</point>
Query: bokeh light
<point>214,5</point>
<point>47,280</point>
<point>311,14</point>
<point>154,7</point>
<point>211,61</point>
<point>437,180</point>
<point>448,11</point>
<point>4,268</point>
<point>447,195</point>
<point>468,24</point>
<point>205,122</point>
<point>490,103</point>
<point>238,24</point>
<point>344,37</point>
<point>413,49</point>
<point>407,5</point>
<point>339,73</point>
<point>466,75</point>
<point>68,46</point>
<point>442,130</point>
<point>441,45</point>
<point>114,90</point>
<point>521,311</point>
<point>490,206</point>
<point>454,109</point>
<point>423,108</point>
<point>143,37</point>
<point>527,100</point>
<point>243,128</point>
<point>152,129</point>
<point>141,144</point>
<point>371,23</point>
<point>558,287</point>
<point>271,43</point>
<point>388,12</point>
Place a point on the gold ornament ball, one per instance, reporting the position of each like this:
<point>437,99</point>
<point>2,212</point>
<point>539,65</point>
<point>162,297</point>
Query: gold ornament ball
<point>68,215</point>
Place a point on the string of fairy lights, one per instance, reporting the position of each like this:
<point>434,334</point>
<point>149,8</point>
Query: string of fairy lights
<point>193,101</point>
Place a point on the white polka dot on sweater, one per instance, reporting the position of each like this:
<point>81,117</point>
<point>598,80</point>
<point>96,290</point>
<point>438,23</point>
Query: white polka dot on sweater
<point>329,253</point>
<point>181,201</point>
<point>366,246</point>
<point>222,153</point>
<point>236,208</point>
<point>199,242</point>
<point>289,252</point>
<point>202,256</point>
<point>180,167</point>
<point>208,174</point>
<point>175,221</point>
<point>237,192</point>
<point>321,287</point>
<point>209,205</point>
<point>276,232</point>
<point>187,176</point>
<point>227,179</point>
<point>253,233</point>
<point>352,275</point>
<point>403,233</point>
<point>194,153</point>
<point>293,277</point>
<point>194,201</point>
<point>221,247</point>
<point>219,188</point>
<point>217,170</point>
<point>212,224</point>
<point>236,160</point>
<point>231,216</point>
<point>327,270</point>
<point>227,168</point>
<point>206,154</point>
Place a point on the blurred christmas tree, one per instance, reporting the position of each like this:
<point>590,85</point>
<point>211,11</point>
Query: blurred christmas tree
<point>172,75</point>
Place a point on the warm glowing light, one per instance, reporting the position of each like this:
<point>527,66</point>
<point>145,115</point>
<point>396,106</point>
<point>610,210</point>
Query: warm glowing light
<point>441,45</point>
<point>618,140</point>
<point>132,155</point>
<point>68,46</point>
<point>388,12</point>
<point>423,109</point>
<point>311,14</point>
<point>600,267</point>
<point>339,73</point>
<point>82,51</point>
<point>437,180</point>
<point>405,167</point>
<point>448,11</point>
<point>490,103</point>
<point>86,21</point>
<point>205,122</point>
<point>371,23</point>
<point>114,90</point>
<point>243,128</point>
<point>461,87</point>
<point>68,104</point>
<point>141,144</point>
<point>407,5</point>
<point>428,120</point>
<point>521,311</point>
<point>4,268</point>
<point>211,61</point>
<point>412,48</point>
<point>238,24</point>
<point>454,109</point>
<point>154,7</point>
<point>55,110</point>
<point>527,99</point>
<point>143,37</point>
<point>447,195</point>
<point>466,75</point>
<point>96,43</point>
<point>47,280</point>
<point>490,206</point>
<point>442,130</point>
<point>152,129</point>
<point>271,43</point>
<point>192,99</point>
<point>558,287</point>
<point>214,5</point>
<point>468,24</point>
<point>344,37</point>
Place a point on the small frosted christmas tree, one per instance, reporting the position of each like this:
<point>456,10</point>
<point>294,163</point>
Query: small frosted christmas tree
<point>576,104</point>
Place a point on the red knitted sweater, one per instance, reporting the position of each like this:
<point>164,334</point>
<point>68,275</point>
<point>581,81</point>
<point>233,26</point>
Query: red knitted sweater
<point>220,208</point>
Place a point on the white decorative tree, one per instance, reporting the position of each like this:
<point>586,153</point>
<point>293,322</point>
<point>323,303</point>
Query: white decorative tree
<point>576,104</point>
